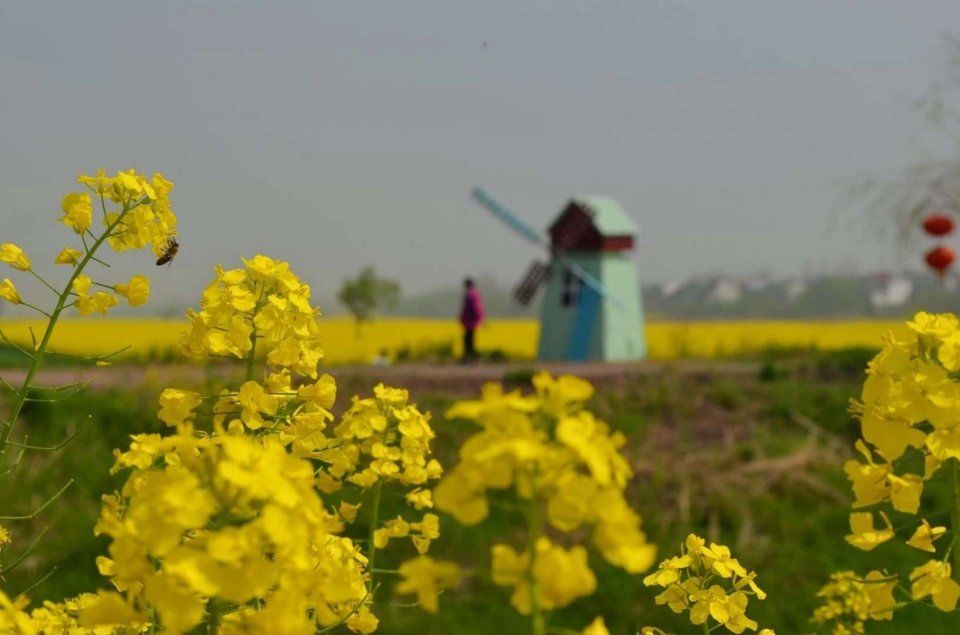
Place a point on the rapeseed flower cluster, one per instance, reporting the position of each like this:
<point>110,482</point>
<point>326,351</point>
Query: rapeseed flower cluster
<point>261,302</point>
<point>14,618</point>
<point>559,575</point>
<point>385,438</point>
<point>563,466</point>
<point>241,518</point>
<point>708,583</point>
<point>230,526</point>
<point>426,578</point>
<point>847,602</point>
<point>64,618</point>
<point>135,212</point>
<point>911,439</point>
<point>379,441</point>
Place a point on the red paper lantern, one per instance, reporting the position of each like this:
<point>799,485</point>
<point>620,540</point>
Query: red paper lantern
<point>940,258</point>
<point>938,224</point>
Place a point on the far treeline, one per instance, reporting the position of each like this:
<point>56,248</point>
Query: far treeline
<point>833,296</point>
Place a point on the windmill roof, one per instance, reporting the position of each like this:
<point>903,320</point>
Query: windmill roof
<point>608,217</point>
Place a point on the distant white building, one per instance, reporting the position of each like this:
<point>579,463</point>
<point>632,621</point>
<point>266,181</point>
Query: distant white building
<point>893,291</point>
<point>671,287</point>
<point>725,291</point>
<point>793,289</point>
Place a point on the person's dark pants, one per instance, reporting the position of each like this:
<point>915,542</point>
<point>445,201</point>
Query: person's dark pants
<point>469,350</point>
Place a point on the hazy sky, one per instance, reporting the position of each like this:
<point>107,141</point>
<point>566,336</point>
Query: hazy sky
<point>342,133</point>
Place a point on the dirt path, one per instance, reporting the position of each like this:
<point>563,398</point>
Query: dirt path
<point>432,377</point>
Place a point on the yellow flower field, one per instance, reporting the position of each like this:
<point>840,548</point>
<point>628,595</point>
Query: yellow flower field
<point>151,338</point>
<point>669,340</point>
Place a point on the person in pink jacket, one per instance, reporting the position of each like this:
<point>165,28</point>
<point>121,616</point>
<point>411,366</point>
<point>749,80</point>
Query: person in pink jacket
<point>471,316</point>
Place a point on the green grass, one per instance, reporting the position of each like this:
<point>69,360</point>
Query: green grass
<point>753,462</point>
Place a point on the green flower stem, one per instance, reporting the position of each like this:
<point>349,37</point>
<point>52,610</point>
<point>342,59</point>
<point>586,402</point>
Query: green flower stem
<point>45,283</point>
<point>35,308</point>
<point>212,619</point>
<point>371,545</point>
<point>353,611</point>
<point>252,356</point>
<point>953,470</point>
<point>64,295</point>
<point>534,529</point>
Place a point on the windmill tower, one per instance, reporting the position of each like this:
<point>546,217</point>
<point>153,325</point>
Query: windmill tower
<point>591,307</point>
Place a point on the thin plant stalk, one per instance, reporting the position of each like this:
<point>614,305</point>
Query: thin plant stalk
<point>953,468</point>
<point>40,349</point>
<point>374,522</point>
<point>534,529</point>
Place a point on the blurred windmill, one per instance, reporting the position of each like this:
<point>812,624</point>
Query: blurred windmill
<point>591,308</point>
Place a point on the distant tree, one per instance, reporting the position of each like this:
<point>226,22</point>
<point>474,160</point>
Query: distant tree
<point>931,182</point>
<point>366,294</point>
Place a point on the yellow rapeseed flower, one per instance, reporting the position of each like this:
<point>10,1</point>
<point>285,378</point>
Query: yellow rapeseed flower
<point>265,301</point>
<point>68,256</point>
<point>562,575</point>
<point>907,409</point>
<point>924,536</point>
<point>933,579</point>
<point>9,292</point>
<point>691,583</point>
<point>14,256</point>
<point>136,291</point>
<point>596,627</point>
<point>581,473</point>
<point>77,211</point>
<point>177,406</point>
<point>281,552</point>
<point>425,577</point>
<point>864,535</point>
<point>13,617</point>
<point>98,302</point>
<point>879,589</point>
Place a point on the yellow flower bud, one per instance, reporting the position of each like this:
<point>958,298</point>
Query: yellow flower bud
<point>68,256</point>
<point>14,256</point>
<point>9,292</point>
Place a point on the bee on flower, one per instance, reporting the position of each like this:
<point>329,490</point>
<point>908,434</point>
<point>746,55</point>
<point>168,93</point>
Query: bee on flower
<point>302,489</point>
<point>125,202</point>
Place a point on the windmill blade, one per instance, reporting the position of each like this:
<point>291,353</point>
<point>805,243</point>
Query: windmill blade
<point>508,216</point>
<point>530,282</point>
<point>527,231</point>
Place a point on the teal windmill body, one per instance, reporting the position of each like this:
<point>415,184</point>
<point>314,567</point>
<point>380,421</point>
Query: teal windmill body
<point>591,308</point>
<point>577,321</point>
